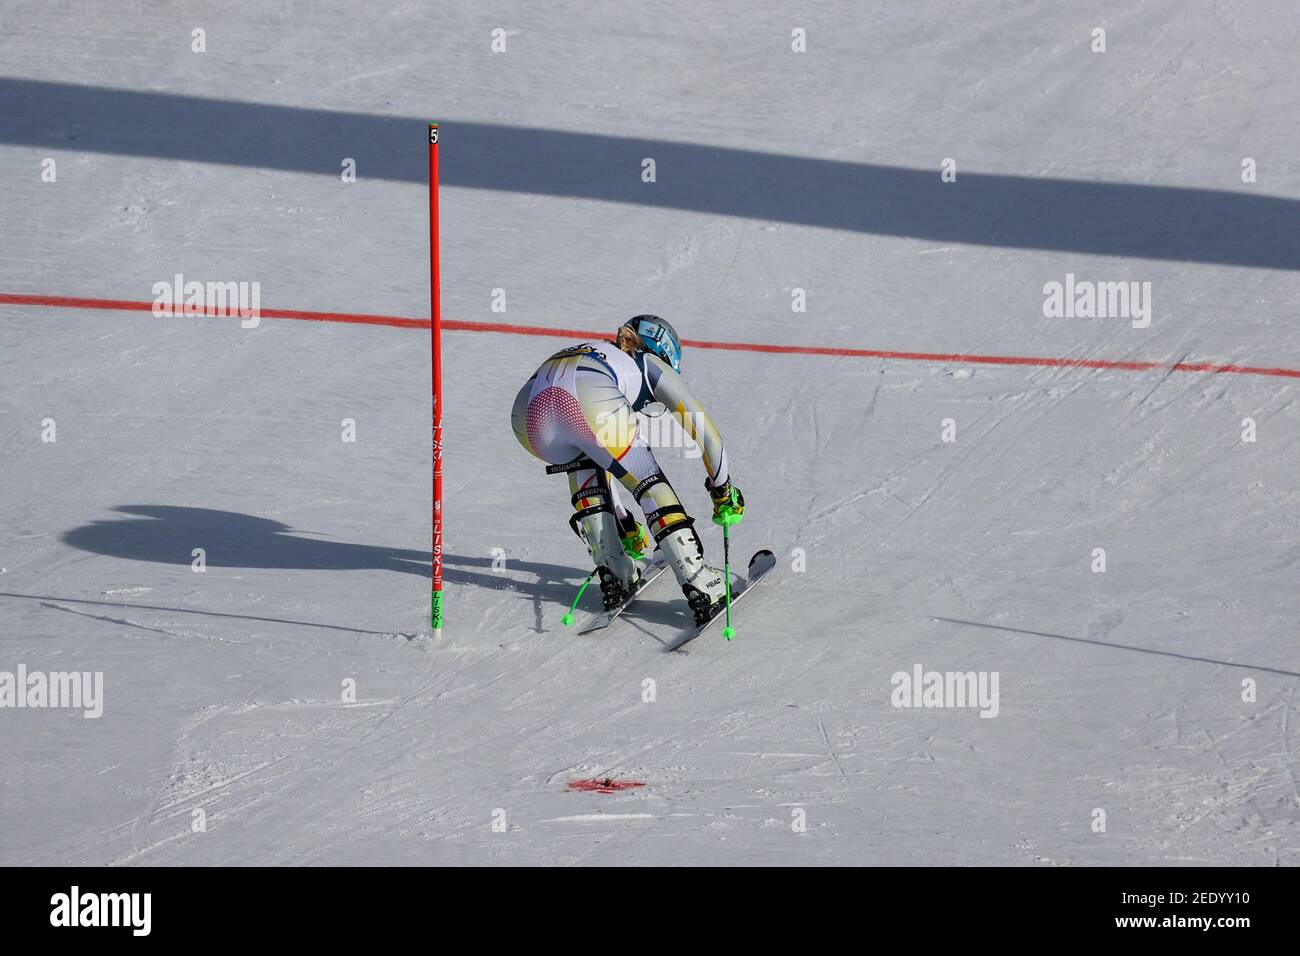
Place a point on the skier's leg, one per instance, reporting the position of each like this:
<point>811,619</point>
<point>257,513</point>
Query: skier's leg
<point>553,424</point>
<point>618,441</point>
<point>673,529</point>
<point>597,524</point>
<point>635,540</point>
<point>620,510</point>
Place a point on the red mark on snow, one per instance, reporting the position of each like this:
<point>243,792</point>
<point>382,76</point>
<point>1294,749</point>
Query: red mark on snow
<point>604,785</point>
<point>457,325</point>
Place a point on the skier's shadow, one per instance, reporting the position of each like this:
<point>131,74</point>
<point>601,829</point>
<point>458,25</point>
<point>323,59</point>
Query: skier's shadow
<point>168,534</point>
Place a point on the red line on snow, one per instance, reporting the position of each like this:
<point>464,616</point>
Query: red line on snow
<point>122,305</point>
<point>457,325</point>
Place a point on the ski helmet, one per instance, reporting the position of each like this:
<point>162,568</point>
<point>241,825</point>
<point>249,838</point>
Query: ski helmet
<point>658,337</point>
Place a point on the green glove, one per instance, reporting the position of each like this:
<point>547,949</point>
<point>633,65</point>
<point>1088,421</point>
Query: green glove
<point>636,541</point>
<point>728,502</point>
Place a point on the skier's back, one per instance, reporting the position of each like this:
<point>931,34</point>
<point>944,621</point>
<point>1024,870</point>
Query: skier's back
<point>580,408</point>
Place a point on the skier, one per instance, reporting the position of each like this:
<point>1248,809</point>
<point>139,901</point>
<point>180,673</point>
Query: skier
<point>578,411</point>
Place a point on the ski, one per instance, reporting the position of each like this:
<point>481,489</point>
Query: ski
<point>602,619</point>
<point>759,565</point>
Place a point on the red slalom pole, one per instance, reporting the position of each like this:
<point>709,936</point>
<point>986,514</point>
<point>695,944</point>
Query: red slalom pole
<point>435,352</point>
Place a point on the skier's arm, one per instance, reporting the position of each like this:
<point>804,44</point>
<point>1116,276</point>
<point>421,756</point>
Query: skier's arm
<point>668,388</point>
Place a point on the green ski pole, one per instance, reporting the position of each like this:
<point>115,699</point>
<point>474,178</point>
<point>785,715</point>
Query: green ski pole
<point>568,618</point>
<point>727,631</point>
<point>726,517</point>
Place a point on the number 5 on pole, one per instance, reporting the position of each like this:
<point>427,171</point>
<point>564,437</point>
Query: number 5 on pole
<point>435,353</point>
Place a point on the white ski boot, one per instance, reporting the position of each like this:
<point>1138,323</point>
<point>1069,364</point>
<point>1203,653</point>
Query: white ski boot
<point>705,586</point>
<point>619,574</point>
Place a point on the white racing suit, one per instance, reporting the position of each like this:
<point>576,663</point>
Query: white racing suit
<point>579,408</point>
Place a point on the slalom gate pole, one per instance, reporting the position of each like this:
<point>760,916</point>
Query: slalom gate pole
<point>435,354</point>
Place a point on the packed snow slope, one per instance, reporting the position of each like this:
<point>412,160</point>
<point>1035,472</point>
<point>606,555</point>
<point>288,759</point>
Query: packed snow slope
<point>1147,713</point>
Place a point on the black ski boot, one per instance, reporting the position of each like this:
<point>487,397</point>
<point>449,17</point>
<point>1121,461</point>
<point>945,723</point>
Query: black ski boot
<point>700,605</point>
<point>612,590</point>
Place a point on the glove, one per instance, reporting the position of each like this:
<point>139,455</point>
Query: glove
<point>636,541</point>
<point>728,502</point>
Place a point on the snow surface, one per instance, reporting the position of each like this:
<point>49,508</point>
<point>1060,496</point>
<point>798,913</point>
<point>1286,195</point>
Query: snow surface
<point>1120,691</point>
